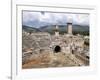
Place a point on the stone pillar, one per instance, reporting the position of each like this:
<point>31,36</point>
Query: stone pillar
<point>69,28</point>
<point>69,25</point>
<point>56,31</point>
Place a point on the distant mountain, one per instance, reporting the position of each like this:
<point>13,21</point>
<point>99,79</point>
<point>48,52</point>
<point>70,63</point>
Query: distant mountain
<point>81,29</point>
<point>63,28</point>
<point>29,29</point>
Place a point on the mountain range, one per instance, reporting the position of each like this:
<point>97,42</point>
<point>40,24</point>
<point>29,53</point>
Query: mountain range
<point>62,28</point>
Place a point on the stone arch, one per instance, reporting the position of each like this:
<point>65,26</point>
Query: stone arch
<point>57,49</point>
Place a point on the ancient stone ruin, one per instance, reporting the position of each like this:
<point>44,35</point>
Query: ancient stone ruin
<point>43,50</point>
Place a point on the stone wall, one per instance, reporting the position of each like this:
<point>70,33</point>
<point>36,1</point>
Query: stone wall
<point>36,44</point>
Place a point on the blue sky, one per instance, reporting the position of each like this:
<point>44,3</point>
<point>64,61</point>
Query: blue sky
<point>38,19</point>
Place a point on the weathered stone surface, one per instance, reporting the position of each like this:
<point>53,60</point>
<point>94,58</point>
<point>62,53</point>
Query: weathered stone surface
<point>38,50</point>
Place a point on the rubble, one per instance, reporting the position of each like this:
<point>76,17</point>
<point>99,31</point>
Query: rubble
<point>39,50</point>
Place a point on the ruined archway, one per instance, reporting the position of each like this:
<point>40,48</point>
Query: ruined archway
<point>57,49</point>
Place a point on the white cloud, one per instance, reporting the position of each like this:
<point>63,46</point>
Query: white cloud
<point>53,18</point>
<point>82,19</point>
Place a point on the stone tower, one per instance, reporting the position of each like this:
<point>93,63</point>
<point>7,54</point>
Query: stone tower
<point>69,25</point>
